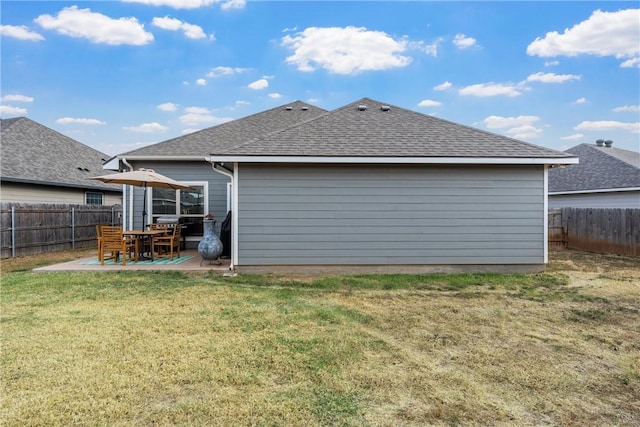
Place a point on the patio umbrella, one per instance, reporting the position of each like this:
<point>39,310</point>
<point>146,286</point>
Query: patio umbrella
<point>142,178</point>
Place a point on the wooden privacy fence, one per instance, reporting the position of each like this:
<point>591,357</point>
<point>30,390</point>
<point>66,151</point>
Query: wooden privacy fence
<point>615,231</point>
<point>28,229</point>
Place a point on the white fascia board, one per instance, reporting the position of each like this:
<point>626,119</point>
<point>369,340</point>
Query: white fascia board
<point>400,160</point>
<point>600,190</point>
<point>166,158</point>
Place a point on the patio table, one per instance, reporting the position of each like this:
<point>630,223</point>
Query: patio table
<point>141,235</point>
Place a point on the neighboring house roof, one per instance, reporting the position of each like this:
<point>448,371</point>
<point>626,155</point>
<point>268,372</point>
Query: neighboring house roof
<point>600,168</point>
<point>386,131</point>
<point>35,154</point>
<point>202,143</point>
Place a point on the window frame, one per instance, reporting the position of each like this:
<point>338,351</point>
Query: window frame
<point>178,213</point>
<point>92,194</point>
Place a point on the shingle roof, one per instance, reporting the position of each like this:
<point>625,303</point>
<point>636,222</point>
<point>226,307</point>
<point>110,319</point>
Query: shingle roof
<point>599,168</point>
<point>351,132</point>
<point>33,153</point>
<point>212,139</point>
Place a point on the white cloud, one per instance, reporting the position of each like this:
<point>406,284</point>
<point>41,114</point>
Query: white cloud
<point>524,132</point>
<point>348,50</point>
<point>551,63</point>
<point>172,24</point>
<point>552,77</point>
<point>78,121</point>
<point>429,49</point>
<point>176,4</point>
<point>233,4</point>
<point>225,71</point>
<point>313,100</point>
<point>274,95</point>
<point>499,122</point>
<point>573,137</point>
<point>582,100</point>
<point>240,103</point>
<point>193,4</point>
<point>147,128</point>
<point>96,27</point>
<point>12,111</point>
<point>21,32</point>
<point>492,89</point>
<point>602,34</point>
<point>197,110</point>
<point>201,82</point>
<point>443,86</point>
<point>196,116</point>
<point>463,42</point>
<point>608,125</point>
<point>17,98</point>
<point>630,63</point>
<point>429,103</point>
<point>186,131</point>
<point>259,84</point>
<point>167,106</point>
<point>520,127</point>
<point>627,108</point>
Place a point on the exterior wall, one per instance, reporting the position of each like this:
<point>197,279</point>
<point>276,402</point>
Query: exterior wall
<point>390,215</point>
<point>31,193</point>
<point>619,199</point>
<point>186,171</point>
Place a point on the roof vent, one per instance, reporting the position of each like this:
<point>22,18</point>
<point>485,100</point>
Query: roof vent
<point>608,143</point>
<point>289,108</point>
<point>362,107</point>
<point>304,108</point>
<point>385,108</point>
<point>600,142</point>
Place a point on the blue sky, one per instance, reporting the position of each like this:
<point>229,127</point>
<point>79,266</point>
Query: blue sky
<point>121,75</point>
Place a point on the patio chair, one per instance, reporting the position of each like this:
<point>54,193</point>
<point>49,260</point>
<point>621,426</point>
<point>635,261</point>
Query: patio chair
<point>169,243</point>
<point>99,238</point>
<point>115,242</point>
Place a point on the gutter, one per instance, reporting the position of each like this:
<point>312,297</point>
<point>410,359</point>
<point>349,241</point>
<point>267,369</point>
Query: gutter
<point>124,196</point>
<point>568,160</point>
<point>167,158</point>
<point>219,168</point>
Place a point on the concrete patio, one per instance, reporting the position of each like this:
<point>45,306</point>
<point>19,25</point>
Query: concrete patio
<point>91,264</point>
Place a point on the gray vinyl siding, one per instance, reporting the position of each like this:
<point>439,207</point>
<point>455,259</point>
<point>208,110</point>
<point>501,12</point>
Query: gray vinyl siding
<point>613,199</point>
<point>187,171</point>
<point>390,215</point>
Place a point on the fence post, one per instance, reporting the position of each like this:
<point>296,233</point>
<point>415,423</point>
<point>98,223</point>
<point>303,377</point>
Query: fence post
<point>13,231</point>
<point>73,227</point>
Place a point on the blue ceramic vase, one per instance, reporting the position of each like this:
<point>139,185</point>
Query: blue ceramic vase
<point>210,247</point>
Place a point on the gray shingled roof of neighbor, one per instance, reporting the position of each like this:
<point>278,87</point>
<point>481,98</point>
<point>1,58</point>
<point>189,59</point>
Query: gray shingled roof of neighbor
<point>599,168</point>
<point>350,132</point>
<point>202,143</point>
<point>35,154</point>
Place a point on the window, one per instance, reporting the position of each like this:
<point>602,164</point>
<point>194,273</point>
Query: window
<point>91,198</point>
<point>190,204</point>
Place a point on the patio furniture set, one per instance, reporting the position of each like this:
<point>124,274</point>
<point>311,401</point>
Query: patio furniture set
<point>159,240</point>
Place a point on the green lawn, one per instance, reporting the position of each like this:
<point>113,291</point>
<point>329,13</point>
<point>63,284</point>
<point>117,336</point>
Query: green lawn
<point>139,348</point>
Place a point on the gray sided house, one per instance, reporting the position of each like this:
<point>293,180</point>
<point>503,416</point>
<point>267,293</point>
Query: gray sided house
<point>40,165</point>
<point>367,186</point>
<point>607,177</point>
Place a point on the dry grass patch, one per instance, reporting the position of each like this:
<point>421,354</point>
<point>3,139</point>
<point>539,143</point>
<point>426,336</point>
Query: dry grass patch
<point>168,348</point>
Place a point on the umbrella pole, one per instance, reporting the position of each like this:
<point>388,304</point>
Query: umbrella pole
<point>144,208</point>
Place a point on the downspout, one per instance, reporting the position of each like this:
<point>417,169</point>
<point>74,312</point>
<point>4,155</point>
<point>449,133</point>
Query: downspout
<point>217,167</point>
<point>130,204</point>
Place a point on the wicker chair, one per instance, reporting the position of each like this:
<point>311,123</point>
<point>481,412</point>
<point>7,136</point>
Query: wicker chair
<point>113,241</point>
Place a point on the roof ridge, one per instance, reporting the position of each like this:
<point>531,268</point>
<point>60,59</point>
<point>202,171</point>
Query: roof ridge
<point>275,132</point>
<point>486,132</point>
<point>608,152</point>
<point>224,124</point>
